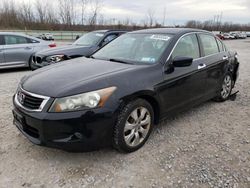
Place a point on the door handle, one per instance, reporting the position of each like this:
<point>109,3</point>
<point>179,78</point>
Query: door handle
<point>225,58</point>
<point>28,48</point>
<point>201,66</point>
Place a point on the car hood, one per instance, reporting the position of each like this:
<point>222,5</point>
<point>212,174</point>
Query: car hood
<point>66,50</point>
<point>70,77</point>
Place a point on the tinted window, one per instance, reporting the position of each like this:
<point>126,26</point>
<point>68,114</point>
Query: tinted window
<point>187,47</point>
<point>221,48</point>
<point>209,44</point>
<point>12,39</point>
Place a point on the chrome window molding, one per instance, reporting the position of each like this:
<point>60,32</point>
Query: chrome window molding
<point>187,35</point>
<point>45,100</point>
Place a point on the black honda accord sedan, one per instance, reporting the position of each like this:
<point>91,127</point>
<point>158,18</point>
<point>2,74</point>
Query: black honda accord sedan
<point>116,96</point>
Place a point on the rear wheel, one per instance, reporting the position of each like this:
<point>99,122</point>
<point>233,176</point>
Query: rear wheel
<point>226,88</point>
<point>133,126</point>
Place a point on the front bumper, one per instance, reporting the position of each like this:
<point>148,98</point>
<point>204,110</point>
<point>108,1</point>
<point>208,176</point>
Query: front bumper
<point>72,131</point>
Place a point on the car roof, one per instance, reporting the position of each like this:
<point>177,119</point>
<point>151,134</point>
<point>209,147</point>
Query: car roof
<point>173,31</point>
<point>109,31</point>
<point>20,34</point>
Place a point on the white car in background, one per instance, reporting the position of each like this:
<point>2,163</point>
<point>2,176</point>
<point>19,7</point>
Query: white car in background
<point>228,36</point>
<point>243,35</point>
<point>46,36</point>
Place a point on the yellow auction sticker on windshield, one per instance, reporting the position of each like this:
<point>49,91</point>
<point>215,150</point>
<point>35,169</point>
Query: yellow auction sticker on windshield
<point>160,37</point>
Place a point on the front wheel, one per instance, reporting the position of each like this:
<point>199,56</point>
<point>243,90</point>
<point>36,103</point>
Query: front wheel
<point>31,64</point>
<point>226,88</point>
<point>133,126</point>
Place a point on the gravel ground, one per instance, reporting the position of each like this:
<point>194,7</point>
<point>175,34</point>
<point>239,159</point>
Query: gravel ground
<point>207,146</point>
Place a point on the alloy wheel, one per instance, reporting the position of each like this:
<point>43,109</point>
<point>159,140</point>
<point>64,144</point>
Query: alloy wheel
<point>226,87</point>
<point>137,126</point>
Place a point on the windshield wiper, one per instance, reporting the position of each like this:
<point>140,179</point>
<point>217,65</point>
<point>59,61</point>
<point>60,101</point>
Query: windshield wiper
<point>120,61</point>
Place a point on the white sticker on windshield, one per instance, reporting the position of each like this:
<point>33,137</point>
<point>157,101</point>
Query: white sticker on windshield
<point>99,34</point>
<point>148,59</point>
<point>160,37</point>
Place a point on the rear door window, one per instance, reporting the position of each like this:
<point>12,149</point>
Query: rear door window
<point>209,44</point>
<point>187,47</point>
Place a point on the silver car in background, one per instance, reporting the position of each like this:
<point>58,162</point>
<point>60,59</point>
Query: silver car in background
<point>16,49</point>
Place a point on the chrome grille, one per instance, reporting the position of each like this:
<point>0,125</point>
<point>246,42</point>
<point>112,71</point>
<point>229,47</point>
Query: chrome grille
<point>30,101</point>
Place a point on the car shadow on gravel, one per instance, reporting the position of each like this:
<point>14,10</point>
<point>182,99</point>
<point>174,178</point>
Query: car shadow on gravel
<point>109,151</point>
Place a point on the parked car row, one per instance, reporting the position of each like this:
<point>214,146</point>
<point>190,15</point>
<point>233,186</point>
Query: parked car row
<point>84,46</point>
<point>116,95</point>
<point>232,35</point>
<point>18,50</point>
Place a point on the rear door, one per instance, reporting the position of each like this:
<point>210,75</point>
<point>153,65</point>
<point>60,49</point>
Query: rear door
<point>214,58</point>
<point>17,49</point>
<point>1,50</point>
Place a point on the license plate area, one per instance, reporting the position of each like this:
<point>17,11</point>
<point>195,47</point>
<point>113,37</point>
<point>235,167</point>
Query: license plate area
<point>19,120</point>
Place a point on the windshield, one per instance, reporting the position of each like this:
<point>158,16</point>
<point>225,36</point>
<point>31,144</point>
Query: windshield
<point>89,39</point>
<point>135,48</point>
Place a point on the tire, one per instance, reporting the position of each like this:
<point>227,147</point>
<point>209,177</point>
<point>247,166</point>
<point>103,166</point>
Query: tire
<point>31,66</point>
<point>226,88</point>
<point>137,130</point>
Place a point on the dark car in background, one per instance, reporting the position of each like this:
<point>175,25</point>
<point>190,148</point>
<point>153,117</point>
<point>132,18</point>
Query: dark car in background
<point>84,46</point>
<point>16,49</point>
<point>116,96</point>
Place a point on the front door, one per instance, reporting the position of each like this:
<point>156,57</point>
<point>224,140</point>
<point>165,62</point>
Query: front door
<point>184,86</point>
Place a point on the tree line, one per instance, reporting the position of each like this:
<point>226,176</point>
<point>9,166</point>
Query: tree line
<point>212,25</point>
<point>86,15</point>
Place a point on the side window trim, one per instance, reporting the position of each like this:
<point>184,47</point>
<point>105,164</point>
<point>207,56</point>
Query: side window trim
<point>222,45</point>
<point>202,54</point>
<point>200,47</point>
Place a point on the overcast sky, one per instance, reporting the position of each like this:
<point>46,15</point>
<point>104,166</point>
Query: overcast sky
<point>177,11</point>
<point>181,10</point>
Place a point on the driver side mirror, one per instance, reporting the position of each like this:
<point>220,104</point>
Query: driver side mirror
<point>182,61</point>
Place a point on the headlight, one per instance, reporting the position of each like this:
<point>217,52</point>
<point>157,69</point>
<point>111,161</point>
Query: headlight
<point>82,101</point>
<point>55,58</point>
